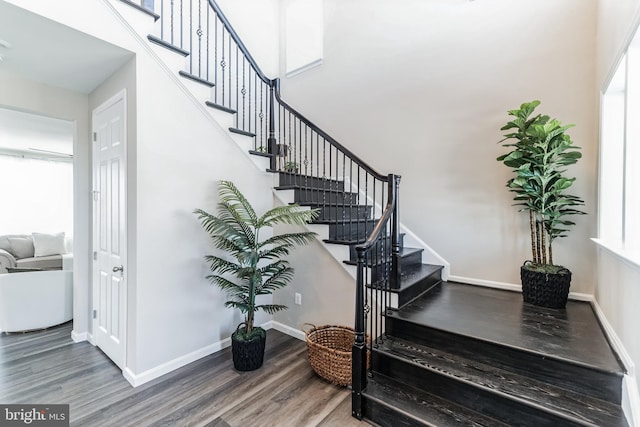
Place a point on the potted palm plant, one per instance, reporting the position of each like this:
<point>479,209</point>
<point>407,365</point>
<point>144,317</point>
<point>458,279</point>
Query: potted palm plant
<point>253,266</point>
<point>540,151</point>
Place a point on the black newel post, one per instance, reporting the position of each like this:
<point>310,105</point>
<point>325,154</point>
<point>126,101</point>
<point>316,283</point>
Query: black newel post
<point>272,145</point>
<point>394,192</point>
<point>359,350</point>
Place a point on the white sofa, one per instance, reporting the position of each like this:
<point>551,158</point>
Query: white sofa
<point>19,251</point>
<point>34,299</point>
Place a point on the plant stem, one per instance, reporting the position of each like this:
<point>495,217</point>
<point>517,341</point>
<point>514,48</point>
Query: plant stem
<point>533,237</point>
<point>550,254</point>
<point>544,245</point>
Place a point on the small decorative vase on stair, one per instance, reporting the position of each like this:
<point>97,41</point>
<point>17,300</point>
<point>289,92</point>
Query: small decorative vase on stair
<point>545,289</point>
<point>248,355</point>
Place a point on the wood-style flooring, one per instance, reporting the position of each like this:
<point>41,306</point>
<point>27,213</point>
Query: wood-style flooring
<point>47,367</point>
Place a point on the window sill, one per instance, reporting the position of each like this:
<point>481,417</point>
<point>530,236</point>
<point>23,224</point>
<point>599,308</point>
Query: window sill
<point>628,256</point>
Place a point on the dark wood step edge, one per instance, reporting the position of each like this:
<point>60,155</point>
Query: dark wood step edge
<point>196,78</point>
<point>490,391</point>
<point>136,6</point>
<point>381,380</point>
<point>260,153</point>
<point>160,42</point>
<point>242,132</point>
<point>220,107</point>
<point>510,347</point>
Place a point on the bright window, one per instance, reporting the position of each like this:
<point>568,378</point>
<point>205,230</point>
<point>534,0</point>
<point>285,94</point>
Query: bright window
<point>619,210</point>
<point>37,195</point>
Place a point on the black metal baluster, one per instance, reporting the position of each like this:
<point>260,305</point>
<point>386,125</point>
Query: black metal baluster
<point>199,34</point>
<point>207,41</point>
<point>230,62</point>
<point>243,91</point>
<point>222,66</point>
<point>215,60</point>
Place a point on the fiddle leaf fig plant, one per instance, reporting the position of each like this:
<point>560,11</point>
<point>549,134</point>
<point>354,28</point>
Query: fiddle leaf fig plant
<point>253,266</point>
<point>540,151</point>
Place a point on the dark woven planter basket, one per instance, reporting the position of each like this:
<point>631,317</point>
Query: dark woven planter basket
<point>545,289</point>
<point>248,355</point>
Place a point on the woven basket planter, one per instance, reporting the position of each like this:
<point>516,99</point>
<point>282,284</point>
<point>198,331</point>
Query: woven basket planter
<point>545,289</point>
<point>248,355</point>
<point>329,349</point>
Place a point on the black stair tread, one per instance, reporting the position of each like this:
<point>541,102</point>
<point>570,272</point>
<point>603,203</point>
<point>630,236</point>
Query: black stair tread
<point>242,132</point>
<point>354,222</point>
<point>167,45</point>
<point>318,190</point>
<point>404,252</point>
<point>197,79</point>
<point>496,316</point>
<point>137,6</point>
<point>260,153</point>
<point>220,107</point>
<point>415,274</point>
<point>423,407</point>
<point>332,205</point>
<point>346,242</point>
<point>579,408</point>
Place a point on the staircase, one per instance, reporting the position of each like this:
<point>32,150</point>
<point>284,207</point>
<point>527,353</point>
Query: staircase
<point>440,353</point>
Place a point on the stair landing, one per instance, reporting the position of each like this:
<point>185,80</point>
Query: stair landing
<point>573,334</point>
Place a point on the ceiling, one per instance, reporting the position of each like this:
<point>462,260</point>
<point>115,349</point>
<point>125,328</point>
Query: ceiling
<point>25,132</point>
<point>49,52</point>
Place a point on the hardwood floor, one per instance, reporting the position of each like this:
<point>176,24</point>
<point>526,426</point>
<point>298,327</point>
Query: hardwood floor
<point>47,367</point>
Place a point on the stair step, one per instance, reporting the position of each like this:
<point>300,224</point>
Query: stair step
<point>417,281</point>
<point>242,132</point>
<point>220,107</point>
<point>313,196</point>
<point>196,78</point>
<point>292,180</point>
<point>137,6</point>
<point>260,153</point>
<point>174,48</point>
<point>390,404</point>
<point>501,394</point>
<point>409,257</point>
<point>333,212</point>
<point>355,242</point>
<point>348,229</point>
<point>565,348</point>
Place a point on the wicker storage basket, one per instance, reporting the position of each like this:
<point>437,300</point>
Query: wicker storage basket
<point>329,350</point>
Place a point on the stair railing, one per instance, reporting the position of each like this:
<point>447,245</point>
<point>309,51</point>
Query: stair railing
<point>359,205</point>
<point>373,298</point>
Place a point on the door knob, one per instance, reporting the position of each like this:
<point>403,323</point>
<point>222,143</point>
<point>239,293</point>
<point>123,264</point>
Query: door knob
<point>119,268</point>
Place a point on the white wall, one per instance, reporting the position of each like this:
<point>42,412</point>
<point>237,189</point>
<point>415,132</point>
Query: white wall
<point>257,22</point>
<point>19,93</point>
<point>617,290</point>
<point>178,314</point>
<point>437,78</point>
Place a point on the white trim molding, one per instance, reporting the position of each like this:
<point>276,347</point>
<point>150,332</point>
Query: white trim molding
<point>630,394</point>
<point>79,336</point>
<point>288,330</point>
<point>151,374</point>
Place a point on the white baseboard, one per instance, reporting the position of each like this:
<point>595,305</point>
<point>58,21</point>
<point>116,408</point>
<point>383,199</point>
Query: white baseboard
<point>79,336</point>
<point>292,332</point>
<point>631,400</point>
<point>153,373</point>
<point>576,296</point>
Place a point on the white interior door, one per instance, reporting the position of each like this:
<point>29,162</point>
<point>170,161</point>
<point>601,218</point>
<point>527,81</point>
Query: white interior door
<point>109,228</point>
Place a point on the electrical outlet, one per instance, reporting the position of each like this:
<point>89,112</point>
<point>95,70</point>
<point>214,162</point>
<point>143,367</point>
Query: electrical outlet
<point>298,298</point>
